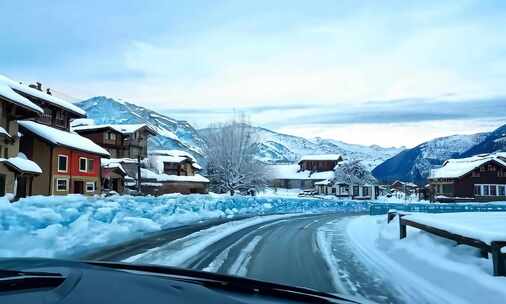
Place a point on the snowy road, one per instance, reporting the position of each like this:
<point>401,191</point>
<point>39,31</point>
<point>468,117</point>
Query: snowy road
<point>303,250</point>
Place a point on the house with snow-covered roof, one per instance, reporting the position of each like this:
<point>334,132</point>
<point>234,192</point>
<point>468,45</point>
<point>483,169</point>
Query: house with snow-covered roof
<point>477,178</point>
<point>16,170</point>
<point>172,171</point>
<point>69,163</point>
<point>120,140</point>
<point>319,163</point>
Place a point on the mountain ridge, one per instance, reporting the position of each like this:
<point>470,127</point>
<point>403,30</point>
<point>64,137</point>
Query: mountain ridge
<point>272,148</point>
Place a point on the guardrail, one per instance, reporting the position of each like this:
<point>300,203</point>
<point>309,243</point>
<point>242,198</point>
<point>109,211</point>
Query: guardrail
<point>382,208</point>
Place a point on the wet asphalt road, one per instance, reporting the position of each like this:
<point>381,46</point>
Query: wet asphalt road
<point>285,251</point>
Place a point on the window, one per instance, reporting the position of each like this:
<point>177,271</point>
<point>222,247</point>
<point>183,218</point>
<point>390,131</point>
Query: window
<point>111,136</point>
<point>82,164</point>
<point>482,169</point>
<point>90,186</point>
<point>355,190</point>
<point>486,189</point>
<point>491,168</point>
<point>365,191</point>
<point>501,190</point>
<point>60,119</point>
<point>493,190</point>
<point>85,164</point>
<point>477,190</point>
<point>476,174</point>
<point>89,165</point>
<point>62,163</point>
<point>6,152</point>
<point>62,184</point>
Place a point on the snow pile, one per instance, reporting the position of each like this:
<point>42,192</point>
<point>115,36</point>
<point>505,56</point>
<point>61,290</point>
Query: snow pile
<point>424,268</point>
<point>73,225</point>
<point>486,227</point>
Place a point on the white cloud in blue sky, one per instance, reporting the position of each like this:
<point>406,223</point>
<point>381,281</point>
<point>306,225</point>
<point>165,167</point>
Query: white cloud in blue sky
<point>234,54</point>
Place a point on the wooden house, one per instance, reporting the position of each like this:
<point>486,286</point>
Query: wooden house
<point>478,178</point>
<point>70,163</point>
<point>172,171</point>
<point>319,163</point>
<point>121,141</point>
<point>16,171</point>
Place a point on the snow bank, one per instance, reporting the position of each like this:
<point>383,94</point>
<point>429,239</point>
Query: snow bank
<point>424,268</point>
<point>486,227</point>
<point>73,225</point>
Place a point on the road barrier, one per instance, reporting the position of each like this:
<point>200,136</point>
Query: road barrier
<point>383,208</point>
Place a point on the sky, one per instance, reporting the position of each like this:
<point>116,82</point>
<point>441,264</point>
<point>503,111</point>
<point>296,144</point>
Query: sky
<point>392,73</point>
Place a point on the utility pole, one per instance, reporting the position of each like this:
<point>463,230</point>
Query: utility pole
<point>139,173</point>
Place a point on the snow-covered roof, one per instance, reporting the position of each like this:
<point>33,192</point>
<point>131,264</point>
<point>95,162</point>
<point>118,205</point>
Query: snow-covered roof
<point>4,132</point>
<point>336,157</point>
<point>112,163</point>
<point>172,153</point>
<point>6,92</point>
<point>162,177</point>
<point>22,164</point>
<point>63,138</point>
<point>454,168</point>
<point>124,129</point>
<point>292,172</point>
<point>41,95</point>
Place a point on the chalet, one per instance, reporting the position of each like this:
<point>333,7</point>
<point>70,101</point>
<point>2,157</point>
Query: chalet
<point>172,171</point>
<point>290,177</point>
<point>309,170</point>
<point>69,163</point>
<point>478,178</point>
<point>121,141</point>
<point>16,171</point>
<point>350,180</point>
<point>405,187</point>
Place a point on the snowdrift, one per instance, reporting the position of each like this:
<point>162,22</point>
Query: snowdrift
<point>70,226</point>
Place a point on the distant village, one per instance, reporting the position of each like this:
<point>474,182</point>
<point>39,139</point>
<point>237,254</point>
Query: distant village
<point>49,148</point>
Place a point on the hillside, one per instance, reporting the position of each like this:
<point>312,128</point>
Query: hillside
<point>272,147</point>
<point>172,133</point>
<point>414,164</point>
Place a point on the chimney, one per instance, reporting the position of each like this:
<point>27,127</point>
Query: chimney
<point>37,86</point>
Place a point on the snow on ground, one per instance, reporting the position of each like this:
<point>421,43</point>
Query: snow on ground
<point>74,225</point>
<point>487,226</point>
<point>424,268</point>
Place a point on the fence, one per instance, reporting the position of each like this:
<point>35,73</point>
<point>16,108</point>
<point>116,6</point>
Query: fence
<point>382,208</point>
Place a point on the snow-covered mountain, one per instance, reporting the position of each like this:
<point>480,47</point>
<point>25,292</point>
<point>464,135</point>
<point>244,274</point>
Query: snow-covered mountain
<point>276,147</point>
<point>414,164</point>
<point>172,133</point>
<point>272,147</point>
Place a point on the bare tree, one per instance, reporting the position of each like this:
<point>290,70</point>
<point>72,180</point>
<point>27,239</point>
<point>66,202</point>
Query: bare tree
<point>231,162</point>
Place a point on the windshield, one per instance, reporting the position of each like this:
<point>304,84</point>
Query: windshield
<point>356,148</point>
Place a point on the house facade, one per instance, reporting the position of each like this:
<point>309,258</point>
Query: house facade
<point>172,171</point>
<point>121,141</point>
<point>70,163</point>
<point>479,178</point>
<point>16,170</point>
<point>309,170</point>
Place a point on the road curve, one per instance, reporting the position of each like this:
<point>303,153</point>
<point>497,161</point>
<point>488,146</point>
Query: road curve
<point>287,251</point>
